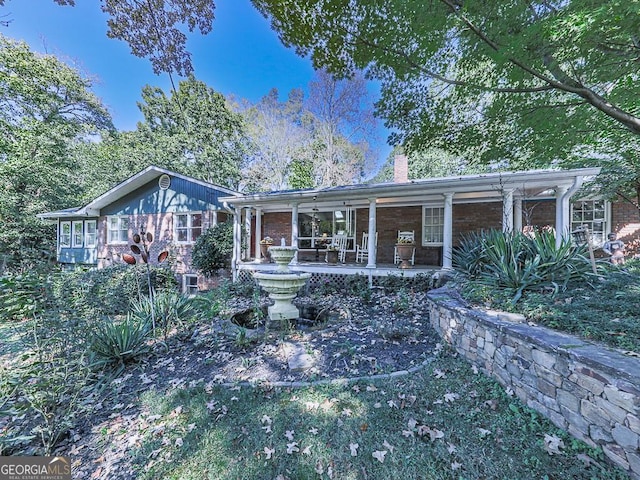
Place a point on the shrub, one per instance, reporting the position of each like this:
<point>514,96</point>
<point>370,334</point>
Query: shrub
<point>107,291</point>
<point>212,251</point>
<point>23,295</point>
<point>120,342</point>
<point>519,262</point>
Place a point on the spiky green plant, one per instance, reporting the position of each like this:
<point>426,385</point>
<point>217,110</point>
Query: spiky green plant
<point>116,343</point>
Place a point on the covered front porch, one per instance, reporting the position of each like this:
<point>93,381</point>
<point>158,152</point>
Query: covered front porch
<point>438,212</point>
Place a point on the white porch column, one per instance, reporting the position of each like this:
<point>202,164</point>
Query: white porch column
<point>214,218</point>
<point>294,231</point>
<point>371,260</point>
<point>237,243</point>
<point>517,214</point>
<point>561,217</point>
<point>258,233</point>
<point>447,234</point>
<point>247,228</point>
<point>507,211</point>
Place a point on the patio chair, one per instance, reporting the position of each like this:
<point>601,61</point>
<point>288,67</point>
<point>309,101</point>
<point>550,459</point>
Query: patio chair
<point>362,250</point>
<point>340,240</point>
<point>405,235</point>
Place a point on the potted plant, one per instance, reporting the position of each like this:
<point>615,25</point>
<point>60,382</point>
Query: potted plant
<point>265,243</point>
<point>405,248</point>
<point>332,254</point>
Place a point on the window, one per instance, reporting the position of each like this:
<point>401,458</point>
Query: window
<point>188,227</point>
<point>593,214</point>
<point>190,284</point>
<point>432,225</point>
<point>90,233</point>
<point>317,228</point>
<point>117,229</point>
<point>65,234</point>
<point>76,237</point>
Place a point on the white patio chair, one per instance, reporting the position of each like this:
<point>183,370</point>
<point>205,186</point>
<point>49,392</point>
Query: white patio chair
<point>362,250</point>
<point>340,240</point>
<point>405,235</point>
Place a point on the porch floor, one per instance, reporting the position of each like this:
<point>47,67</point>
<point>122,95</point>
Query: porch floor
<point>381,270</point>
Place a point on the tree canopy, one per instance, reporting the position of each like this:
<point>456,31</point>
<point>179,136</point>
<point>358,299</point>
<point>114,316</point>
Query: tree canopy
<point>526,82</point>
<point>46,108</point>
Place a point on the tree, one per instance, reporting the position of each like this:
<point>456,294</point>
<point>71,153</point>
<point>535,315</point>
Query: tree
<point>193,132</point>
<point>531,83</point>
<point>151,28</point>
<point>343,121</point>
<point>45,108</point>
<point>279,135</point>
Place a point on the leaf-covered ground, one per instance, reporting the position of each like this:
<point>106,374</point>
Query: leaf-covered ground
<point>178,414</point>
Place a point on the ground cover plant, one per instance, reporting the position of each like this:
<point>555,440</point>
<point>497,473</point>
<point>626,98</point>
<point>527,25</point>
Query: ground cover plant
<point>562,294</point>
<point>208,405</point>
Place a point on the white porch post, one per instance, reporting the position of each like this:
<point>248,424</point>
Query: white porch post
<point>447,234</point>
<point>507,211</point>
<point>294,231</point>
<point>371,254</point>
<point>258,232</point>
<point>214,218</point>
<point>517,214</point>
<point>237,242</point>
<point>561,217</point>
<point>247,227</point>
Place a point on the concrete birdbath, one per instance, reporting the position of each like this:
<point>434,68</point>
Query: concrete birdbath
<point>282,285</point>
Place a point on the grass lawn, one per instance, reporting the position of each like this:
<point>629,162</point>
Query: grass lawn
<point>447,422</point>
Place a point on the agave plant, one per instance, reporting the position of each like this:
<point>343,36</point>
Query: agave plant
<point>120,342</point>
<point>520,262</point>
<point>169,307</point>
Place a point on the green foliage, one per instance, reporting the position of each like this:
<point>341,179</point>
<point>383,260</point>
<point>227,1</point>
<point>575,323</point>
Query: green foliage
<point>23,296</point>
<point>45,108</point>
<point>171,309</point>
<point>517,262</point>
<point>213,249</point>
<point>116,343</point>
<point>107,291</point>
<point>192,131</point>
<point>358,285</point>
<point>516,83</point>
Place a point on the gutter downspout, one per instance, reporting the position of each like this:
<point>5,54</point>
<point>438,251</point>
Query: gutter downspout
<point>564,209</point>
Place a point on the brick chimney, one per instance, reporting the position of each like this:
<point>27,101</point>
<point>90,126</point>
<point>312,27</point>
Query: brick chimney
<point>400,169</point>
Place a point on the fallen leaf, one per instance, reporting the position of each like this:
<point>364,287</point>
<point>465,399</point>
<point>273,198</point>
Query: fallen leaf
<point>319,468</point>
<point>439,373</point>
<point>412,423</point>
<point>484,432</point>
<point>392,404</point>
<point>455,466</point>
<point>386,445</point>
<point>289,434</point>
<point>553,444</point>
<point>179,442</point>
<point>371,388</point>
<point>407,433</point>
<point>451,448</point>
<point>379,455</point>
<point>292,447</point>
<point>451,397</point>
<point>347,412</point>
<point>269,452</point>
<point>307,450</point>
<point>354,449</point>
<point>266,419</point>
<point>313,431</point>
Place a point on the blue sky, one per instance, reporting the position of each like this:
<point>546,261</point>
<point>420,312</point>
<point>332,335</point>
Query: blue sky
<point>241,56</point>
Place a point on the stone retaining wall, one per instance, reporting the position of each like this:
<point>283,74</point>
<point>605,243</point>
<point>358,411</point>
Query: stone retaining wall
<point>586,389</point>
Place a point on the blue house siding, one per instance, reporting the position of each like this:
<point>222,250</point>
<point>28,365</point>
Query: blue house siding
<point>87,256</point>
<point>181,196</point>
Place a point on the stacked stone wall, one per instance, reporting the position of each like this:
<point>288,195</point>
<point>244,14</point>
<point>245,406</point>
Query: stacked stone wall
<point>589,390</point>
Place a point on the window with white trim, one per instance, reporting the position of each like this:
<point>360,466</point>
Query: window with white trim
<point>188,227</point>
<point>76,234</point>
<point>65,234</point>
<point>90,233</point>
<point>432,225</point>
<point>190,284</point>
<point>593,214</point>
<point>117,229</point>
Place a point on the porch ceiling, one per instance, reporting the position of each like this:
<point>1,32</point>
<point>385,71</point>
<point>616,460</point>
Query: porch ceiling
<point>469,188</point>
